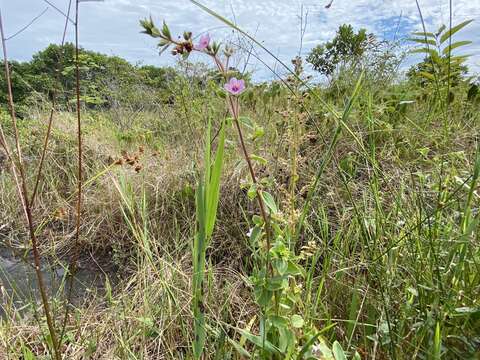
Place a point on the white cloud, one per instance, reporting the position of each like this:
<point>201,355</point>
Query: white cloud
<point>112,26</point>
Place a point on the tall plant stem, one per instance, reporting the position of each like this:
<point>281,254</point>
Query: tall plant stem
<point>24,198</point>
<point>449,70</point>
<point>233,102</point>
<point>79,123</point>
<point>42,158</point>
<point>261,204</point>
<point>6,148</point>
<point>79,131</point>
<point>76,250</point>
<point>52,112</point>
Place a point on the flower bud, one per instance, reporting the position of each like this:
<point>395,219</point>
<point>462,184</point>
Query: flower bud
<point>228,51</point>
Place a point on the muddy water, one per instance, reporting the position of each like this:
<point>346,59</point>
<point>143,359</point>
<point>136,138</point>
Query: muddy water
<point>19,282</point>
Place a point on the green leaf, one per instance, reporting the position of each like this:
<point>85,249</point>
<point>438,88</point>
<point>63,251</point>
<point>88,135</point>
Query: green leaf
<point>460,59</point>
<point>247,328</point>
<point>467,310</point>
<point>455,45</point>
<point>297,321</point>
<point>424,34</point>
<point>166,31</point>
<point>427,75</point>
<point>281,265</point>
<point>278,321</point>
<point>294,269</point>
<point>263,296</point>
<point>260,342</point>
<point>252,191</point>
<point>91,349</point>
<point>163,42</point>
<point>244,120</point>
<point>286,340</point>
<point>276,283</point>
<point>213,193</point>
<point>423,50</point>
<point>352,314</point>
<point>148,322</point>
<point>255,235</point>
<point>454,30</point>
<point>200,335</point>
<point>441,29</point>
<point>239,348</point>
<point>338,352</point>
<point>437,59</point>
<point>258,133</point>
<point>423,41</point>
<point>199,248</point>
<point>269,201</point>
<point>257,220</point>
<point>259,159</point>
<point>27,353</point>
<point>437,343</point>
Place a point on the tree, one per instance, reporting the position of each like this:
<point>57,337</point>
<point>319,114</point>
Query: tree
<point>345,49</point>
<point>105,81</point>
<point>20,87</point>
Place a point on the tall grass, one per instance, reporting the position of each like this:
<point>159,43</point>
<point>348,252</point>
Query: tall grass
<point>207,197</point>
<point>354,233</point>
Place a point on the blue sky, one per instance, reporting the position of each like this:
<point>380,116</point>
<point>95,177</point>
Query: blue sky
<point>112,26</point>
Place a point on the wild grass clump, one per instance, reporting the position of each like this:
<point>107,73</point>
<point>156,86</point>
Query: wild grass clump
<point>284,220</point>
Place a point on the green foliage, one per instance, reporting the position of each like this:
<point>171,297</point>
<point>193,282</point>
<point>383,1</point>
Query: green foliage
<point>473,93</point>
<point>105,81</point>
<point>20,88</point>
<point>349,53</point>
<point>439,67</point>
<point>207,197</point>
<point>345,49</point>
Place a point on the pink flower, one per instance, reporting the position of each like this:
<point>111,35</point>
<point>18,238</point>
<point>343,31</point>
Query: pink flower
<point>203,43</point>
<point>235,86</point>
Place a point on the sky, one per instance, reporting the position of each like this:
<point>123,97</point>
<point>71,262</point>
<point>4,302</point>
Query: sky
<point>112,26</point>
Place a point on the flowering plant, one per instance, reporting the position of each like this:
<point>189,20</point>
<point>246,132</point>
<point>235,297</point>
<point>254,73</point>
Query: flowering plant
<point>274,279</point>
<point>235,86</point>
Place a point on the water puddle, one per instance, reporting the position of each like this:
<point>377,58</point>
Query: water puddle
<point>19,286</point>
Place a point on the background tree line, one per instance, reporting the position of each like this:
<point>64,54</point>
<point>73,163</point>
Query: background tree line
<point>106,81</point>
<point>109,82</point>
